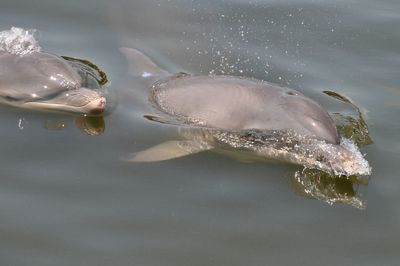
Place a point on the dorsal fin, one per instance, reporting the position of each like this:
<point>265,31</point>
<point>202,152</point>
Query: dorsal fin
<point>141,65</point>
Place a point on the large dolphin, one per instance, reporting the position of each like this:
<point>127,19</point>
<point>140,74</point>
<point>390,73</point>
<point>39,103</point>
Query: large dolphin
<point>45,81</point>
<point>240,114</point>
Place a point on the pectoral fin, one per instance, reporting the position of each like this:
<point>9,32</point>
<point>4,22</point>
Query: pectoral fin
<point>169,150</point>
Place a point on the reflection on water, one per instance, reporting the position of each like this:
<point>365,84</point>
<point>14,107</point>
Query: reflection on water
<point>92,126</point>
<point>328,188</point>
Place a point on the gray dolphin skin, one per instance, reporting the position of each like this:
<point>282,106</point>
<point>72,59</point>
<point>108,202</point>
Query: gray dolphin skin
<point>44,81</point>
<point>235,103</point>
<point>235,114</point>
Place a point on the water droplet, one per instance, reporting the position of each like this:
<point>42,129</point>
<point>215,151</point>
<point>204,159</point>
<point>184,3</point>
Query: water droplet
<point>21,122</point>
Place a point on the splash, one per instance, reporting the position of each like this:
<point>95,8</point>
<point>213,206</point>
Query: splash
<point>287,145</point>
<point>19,41</point>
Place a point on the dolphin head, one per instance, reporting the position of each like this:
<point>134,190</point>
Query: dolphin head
<point>80,100</point>
<point>56,70</point>
<point>46,82</point>
<point>310,117</point>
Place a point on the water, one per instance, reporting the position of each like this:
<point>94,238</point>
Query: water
<point>67,199</point>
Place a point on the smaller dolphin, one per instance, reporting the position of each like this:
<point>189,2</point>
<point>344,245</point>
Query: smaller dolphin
<point>240,114</point>
<point>45,81</point>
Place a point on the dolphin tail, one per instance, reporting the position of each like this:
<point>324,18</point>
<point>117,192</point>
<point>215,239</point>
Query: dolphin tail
<point>141,65</point>
<point>168,150</point>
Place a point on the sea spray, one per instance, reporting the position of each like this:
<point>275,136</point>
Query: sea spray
<point>19,41</point>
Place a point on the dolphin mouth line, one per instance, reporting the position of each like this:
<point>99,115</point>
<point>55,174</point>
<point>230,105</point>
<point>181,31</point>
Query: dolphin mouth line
<point>95,107</point>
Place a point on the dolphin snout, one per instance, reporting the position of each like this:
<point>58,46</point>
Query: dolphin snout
<point>97,107</point>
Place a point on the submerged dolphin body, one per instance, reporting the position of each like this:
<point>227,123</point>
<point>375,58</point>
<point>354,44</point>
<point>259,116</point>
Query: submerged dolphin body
<point>239,114</point>
<point>44,81</point>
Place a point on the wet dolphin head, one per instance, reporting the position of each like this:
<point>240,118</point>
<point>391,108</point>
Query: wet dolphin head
<point>45,81</point>
<point>310,116</point>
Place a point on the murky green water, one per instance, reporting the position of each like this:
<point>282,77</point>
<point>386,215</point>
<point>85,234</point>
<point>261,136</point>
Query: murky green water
<point>67,199</point>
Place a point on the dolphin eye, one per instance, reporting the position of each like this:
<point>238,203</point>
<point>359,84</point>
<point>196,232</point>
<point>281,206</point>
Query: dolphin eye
<point>291,93</point>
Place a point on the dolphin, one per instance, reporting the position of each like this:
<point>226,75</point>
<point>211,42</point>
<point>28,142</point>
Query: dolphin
<point>44,81</point>
<point>241,115</point>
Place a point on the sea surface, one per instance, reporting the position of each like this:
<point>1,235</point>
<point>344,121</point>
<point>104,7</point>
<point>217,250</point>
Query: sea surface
<point>67,198</point>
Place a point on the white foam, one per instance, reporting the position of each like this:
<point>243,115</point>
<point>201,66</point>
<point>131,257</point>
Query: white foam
<point>361,167</point>
<point>287,145</point>
<point>19,41</point>
<point>344,159</point>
